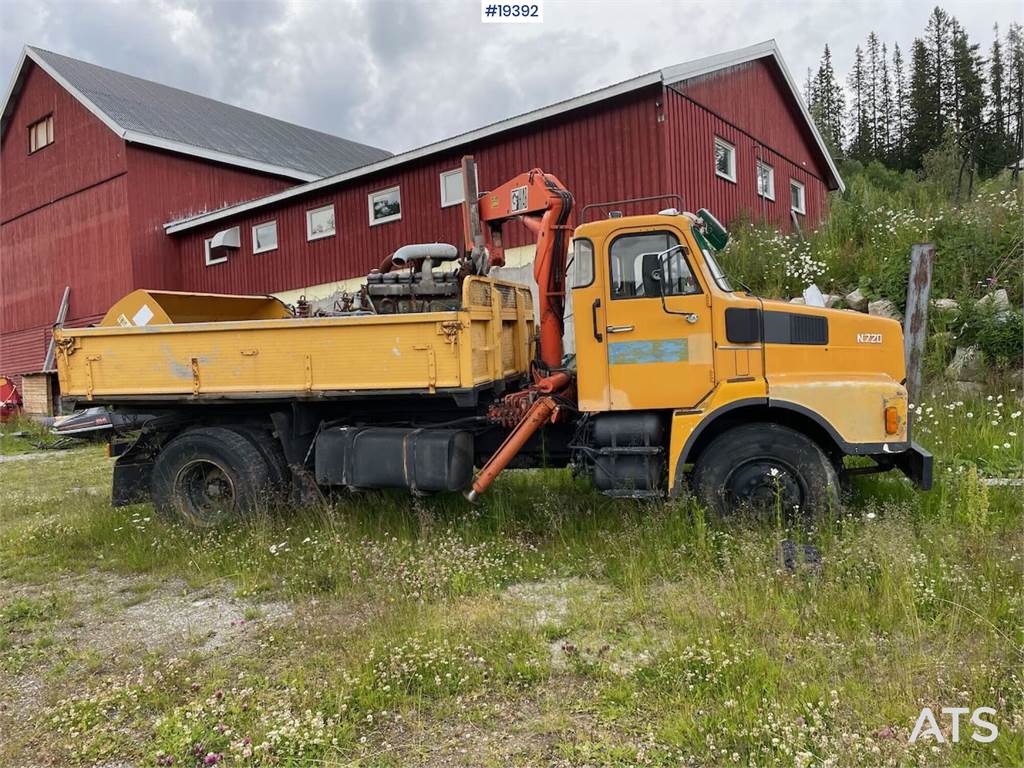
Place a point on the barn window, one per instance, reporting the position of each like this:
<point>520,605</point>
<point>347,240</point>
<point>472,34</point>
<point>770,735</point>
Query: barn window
<point>320,222</point>
<point>453,190</point>
<point>217,248</point>
<point>725,159</point>
<point>40,134</point>
<point>797,197</point>
<point>211,257</point>
<point>385,205</point>
<point>765,180</point>
<point>264,237</point>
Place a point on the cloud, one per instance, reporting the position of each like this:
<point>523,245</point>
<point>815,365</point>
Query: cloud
<point>402,73</point>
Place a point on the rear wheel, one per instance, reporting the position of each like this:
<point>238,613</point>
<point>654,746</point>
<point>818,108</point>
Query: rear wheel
<point>208,476</point>
<point>766,467</point>
<point>270,449</point>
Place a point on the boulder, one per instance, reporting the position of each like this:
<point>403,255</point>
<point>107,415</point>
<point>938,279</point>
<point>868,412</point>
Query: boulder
<point>884,308</point>
<point>797,300</point>
<point>969,387</point>
<point>813,297</point>
<point>857,300</point>
<point>831,299</point>
<point>968,365</point>
<point>998,300</point>
<point>946,305</point>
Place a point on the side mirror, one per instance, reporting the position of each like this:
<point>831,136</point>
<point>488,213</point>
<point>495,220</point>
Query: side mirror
<point>652,268</point>
<point>714,231</point>
<point>655,266</point>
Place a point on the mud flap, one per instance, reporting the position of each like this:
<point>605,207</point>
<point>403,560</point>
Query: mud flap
<point>915,463</point>
<point>131,481</point>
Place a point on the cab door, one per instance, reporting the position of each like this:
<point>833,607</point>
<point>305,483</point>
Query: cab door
<point>658,331</point>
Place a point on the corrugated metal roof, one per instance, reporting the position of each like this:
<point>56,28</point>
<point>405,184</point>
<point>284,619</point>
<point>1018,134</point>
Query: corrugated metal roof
<point>150,113</point>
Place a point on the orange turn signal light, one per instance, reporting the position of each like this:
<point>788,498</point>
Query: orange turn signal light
<point>892,420</point>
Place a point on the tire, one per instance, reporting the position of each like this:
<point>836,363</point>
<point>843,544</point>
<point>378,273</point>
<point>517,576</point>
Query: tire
<point>209,476</point>
<point>270,449</point>
<point>766,467</point>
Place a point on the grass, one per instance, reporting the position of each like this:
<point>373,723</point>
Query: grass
<point>24,435</point>
<point>549,625</point>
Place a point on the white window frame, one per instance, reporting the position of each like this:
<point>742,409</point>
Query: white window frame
<point>206,252</point>
<point>731,176</point>
<point>441,178</point>
<point>769,193</point>
<point>47,124</point>
<point>393,217</point>
<point>309,223</point>
<point>802,209</point>
<point>273,247</point>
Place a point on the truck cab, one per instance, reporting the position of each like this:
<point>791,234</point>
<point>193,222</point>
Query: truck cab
<point>762,399</point>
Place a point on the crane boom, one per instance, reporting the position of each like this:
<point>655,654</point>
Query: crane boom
<point>543,204</point>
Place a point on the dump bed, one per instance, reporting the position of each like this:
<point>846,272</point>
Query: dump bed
<point>249,347</point>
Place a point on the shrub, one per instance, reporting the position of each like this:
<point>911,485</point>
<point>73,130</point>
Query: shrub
<point>1000,336</point>
<point>866,240</point>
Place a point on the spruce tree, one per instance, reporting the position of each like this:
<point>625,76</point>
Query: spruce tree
<point>900,109</point>
<point>860,136</point>
<point>884,124</point>
<point>924,126</point>
<point>827,103</point>
<point>996,92</point>
<point>1015,93</point>
<point>936,43</point>
<point>873,94</point>
<point>968,94</point>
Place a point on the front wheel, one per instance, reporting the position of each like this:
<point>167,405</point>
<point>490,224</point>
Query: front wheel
<point>767,468</point>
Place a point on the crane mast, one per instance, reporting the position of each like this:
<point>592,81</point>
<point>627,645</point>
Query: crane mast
<point>543,205</point>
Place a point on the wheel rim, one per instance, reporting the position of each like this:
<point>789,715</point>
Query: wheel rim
<point>205,492</point>
<point>765,484</point>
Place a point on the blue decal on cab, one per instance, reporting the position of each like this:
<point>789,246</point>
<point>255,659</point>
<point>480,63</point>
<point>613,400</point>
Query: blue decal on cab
<point>644,352</point>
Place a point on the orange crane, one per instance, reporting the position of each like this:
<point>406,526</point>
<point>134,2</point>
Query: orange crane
<point>543,205</point>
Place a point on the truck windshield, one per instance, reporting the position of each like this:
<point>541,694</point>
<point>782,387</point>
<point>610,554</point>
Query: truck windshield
<point>713,266</point>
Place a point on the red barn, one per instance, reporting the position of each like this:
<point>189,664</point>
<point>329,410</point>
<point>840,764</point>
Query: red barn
<point>729,133</point>
<point>93,163</point>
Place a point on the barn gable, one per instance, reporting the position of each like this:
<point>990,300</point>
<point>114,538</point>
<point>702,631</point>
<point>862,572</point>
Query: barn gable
<point>754,88</point>
<point>148,113</point>
<point>754,95</point>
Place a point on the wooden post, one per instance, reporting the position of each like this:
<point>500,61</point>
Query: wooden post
<point>915,324</point>
<point>62,313</point>
<point>471,214</point>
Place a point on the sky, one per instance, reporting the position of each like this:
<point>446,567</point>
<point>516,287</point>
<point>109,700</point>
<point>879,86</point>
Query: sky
<point>399,74</point>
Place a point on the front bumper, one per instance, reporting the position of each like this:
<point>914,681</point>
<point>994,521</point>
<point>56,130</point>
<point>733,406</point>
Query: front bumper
<point>915,463</point>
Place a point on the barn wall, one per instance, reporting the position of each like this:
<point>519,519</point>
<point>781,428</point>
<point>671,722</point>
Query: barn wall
<point>84,151</point>
<point>163,187</point>
<point>81,241</point>
<point>690,133</point>
<point>602,153</point>
<point>756,97</point>
<point>25,350</point>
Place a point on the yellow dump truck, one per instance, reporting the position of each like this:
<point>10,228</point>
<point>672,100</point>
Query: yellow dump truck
<point>679,381</point>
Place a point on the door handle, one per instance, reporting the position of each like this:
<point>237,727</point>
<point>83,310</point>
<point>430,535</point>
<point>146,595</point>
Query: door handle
<point>692,318</point>
<point>593,313</point>
<point>620,328</point>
